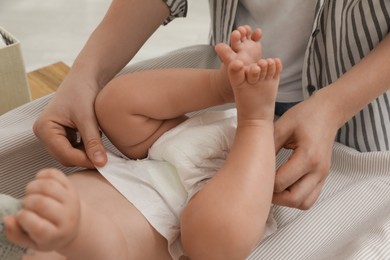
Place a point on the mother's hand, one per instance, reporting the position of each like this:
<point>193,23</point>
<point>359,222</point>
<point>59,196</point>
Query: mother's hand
<point>71,111</point>
<point>309,129</point>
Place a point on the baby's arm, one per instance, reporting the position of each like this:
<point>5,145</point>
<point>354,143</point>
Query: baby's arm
<point>54,218</point>
<point>50,215</point>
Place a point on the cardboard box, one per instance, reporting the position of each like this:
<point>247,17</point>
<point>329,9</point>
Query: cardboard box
<point>14,89</point>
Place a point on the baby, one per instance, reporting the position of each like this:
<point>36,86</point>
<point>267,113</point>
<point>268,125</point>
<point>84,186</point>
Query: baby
<point>134,110</point>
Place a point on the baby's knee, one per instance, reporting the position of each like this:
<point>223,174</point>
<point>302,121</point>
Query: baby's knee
<point>104,102</point>
<point>110,103</point>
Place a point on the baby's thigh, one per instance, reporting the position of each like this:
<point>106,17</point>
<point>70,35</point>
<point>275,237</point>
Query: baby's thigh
<point>142,239</point>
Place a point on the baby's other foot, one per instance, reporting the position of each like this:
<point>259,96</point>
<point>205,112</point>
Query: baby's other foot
<point>255,87</point>
<point>244,45</point>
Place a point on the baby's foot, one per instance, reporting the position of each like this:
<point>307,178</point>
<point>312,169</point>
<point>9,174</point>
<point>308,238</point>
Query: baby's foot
<point>245,46</point>
<point>255,87</point>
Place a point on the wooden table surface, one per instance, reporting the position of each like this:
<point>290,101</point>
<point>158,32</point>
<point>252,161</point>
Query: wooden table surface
<point>46,80</point>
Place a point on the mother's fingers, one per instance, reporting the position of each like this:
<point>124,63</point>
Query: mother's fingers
<point>297,166</point>
<point>55,138</point>
<point>93,145</point>
<point>302,194</point>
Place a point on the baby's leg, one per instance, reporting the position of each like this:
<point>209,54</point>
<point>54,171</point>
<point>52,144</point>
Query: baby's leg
<point>226,219</point>
<point>135,109</point>
<point>127,112</point>
<point>94,223</point>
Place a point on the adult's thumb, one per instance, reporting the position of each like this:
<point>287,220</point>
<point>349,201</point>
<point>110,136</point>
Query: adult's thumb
<point>94,149</point>
<point>281,135</point>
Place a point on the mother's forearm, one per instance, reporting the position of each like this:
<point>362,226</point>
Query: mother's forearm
<point>124,29</point>
<point>364,82</point>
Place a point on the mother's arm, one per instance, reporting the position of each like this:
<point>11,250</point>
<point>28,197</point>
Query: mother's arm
<point>310,127</point>
<point>124,29</point>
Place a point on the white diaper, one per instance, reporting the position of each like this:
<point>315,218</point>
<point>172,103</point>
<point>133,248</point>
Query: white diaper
<point>180,162</point>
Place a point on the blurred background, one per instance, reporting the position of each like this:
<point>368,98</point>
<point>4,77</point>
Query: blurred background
<point>55,30</point>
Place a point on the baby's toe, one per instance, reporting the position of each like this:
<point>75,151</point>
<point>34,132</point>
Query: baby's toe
<point>252,74</point>
<point>271,69</point>
<point>263,68</point>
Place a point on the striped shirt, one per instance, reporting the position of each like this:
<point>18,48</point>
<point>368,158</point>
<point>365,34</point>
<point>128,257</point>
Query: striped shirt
<point>343,33</point>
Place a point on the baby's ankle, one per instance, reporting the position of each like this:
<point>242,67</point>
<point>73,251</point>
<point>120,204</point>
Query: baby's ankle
<point>245,122</point>
<point>222,85</point>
